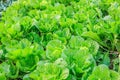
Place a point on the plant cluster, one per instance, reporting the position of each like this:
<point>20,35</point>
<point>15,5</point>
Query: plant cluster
<point>60,40</point>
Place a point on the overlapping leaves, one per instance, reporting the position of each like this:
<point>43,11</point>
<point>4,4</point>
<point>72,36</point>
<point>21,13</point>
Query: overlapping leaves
<point>60,40</point>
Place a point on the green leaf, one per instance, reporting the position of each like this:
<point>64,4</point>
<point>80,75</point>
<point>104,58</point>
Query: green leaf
<point>118,45</point>
<point>54,49</point>
<point>64,74</point>
<point>76,41</point>
<point>50,71</point>
<point>94,36</point>
<point>114,75</point>
<point>102,70</point>
<point>106,59</point>
<point>2,76</point>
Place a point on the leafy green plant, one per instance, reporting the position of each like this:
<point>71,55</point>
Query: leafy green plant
<point>104,73</point>
<point>60,40</point>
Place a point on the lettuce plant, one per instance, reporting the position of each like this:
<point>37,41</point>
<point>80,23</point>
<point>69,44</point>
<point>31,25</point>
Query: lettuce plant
<point>60,40</point>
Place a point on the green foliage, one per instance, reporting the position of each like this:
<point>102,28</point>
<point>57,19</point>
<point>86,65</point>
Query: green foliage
<point>102,72</point>
<point>60,40</point>
<point>50,71</point>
